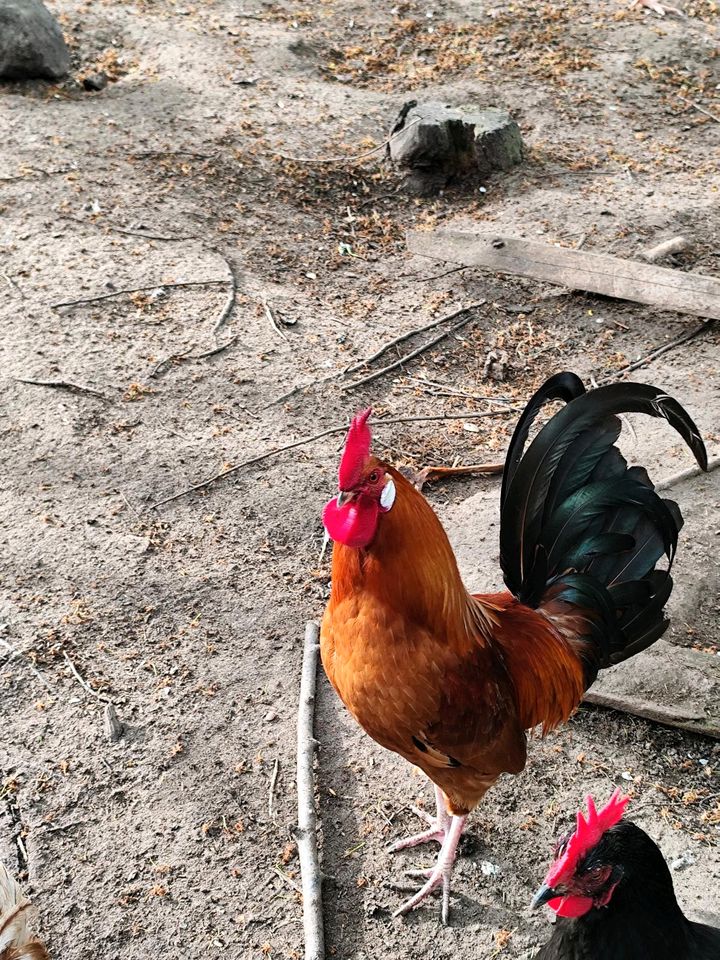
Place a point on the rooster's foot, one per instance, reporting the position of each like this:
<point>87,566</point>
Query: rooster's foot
<point>440,873</point>
<point>439,826</point>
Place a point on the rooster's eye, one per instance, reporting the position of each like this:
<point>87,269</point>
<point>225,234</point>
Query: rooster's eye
<point>374,477</point>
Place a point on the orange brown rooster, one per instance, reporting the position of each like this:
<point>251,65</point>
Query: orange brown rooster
<point>451,681</point>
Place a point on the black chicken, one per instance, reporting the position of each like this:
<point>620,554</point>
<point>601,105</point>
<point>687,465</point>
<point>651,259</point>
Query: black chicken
<point>614,896</point>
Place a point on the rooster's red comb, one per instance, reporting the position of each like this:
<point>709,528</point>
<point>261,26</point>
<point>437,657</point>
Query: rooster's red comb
<point>588,831</point>
<point>356,452</point>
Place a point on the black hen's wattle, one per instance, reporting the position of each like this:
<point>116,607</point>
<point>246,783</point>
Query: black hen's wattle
<point>579,525</point>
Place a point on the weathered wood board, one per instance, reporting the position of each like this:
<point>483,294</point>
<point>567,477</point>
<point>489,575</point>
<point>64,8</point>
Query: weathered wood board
<point>647,283</point>
<point>668,684</point>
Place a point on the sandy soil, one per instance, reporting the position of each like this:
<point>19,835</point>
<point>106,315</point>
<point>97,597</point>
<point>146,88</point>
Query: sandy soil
<point>190,618</point>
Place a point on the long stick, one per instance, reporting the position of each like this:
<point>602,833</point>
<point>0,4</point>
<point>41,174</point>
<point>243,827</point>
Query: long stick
<point>306,832</point>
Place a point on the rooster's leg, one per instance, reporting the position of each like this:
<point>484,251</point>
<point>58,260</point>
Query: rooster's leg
<point>441,872</point>
<point>439,825</point>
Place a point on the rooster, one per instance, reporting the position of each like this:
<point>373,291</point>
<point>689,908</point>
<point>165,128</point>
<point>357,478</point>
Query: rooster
<point>451,681</point>
<point>614,897</point>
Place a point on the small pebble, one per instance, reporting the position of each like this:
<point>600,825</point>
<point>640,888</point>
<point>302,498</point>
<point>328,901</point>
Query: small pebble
<point>686,860</point>
<point>95,81</point>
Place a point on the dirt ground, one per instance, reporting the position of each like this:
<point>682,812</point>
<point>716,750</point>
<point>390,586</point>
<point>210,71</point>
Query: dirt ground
<point>189,618</point>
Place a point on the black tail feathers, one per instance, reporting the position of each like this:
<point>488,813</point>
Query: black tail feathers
<point>579,524</point>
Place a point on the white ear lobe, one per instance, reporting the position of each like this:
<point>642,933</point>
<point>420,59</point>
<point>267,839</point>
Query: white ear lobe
<point>387,497</point>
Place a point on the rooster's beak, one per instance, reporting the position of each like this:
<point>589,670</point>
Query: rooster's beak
<point>544,894</point>
<point>344,497</point>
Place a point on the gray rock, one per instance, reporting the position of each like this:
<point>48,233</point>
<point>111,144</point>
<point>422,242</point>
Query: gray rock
<point>95,81</point>
<point>437,142</point>
<point>31,42</point>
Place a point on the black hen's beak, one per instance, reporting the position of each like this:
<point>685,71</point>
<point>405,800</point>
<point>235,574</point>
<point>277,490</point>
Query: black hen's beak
<point>544,894</point>
<point>344,497</point>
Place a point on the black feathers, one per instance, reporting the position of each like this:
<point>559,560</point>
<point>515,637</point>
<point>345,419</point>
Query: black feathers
<point>578,525</point>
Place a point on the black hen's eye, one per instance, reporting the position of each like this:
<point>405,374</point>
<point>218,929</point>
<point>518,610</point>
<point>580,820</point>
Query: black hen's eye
<point>374,476</point>
<point>561,845</point>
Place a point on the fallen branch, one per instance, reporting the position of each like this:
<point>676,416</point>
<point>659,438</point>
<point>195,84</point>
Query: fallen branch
<point>83,683</point>
<point>340,428</point>
<point>406,336</point>
<point>306,832</point>
<point>659,351</point>
<point>120,293</point>
<point>64,385</point>
<point>665,249</point>
<point>408,356</point>
<point>360,156</point>
<point>227,310</point>
<point>429,474</point>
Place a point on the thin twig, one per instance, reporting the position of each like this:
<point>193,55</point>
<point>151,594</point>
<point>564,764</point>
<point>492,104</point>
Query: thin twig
<point>659,351</point>
<point>230,302</point>
<point>173,153</point>
<point>273,320</point>
<point>303,386</point>
<point>338,428</point>
<point>120,293</point>
<point>681,475</point>
<point>437,276</point>
<point>83,683</point>
<point>699,108</point>
<point>64,385</point>
<point>451,391</point>
<point>11,283</point>
<point>361,156</point>
<point>273,782</point>
<point>189,355</point>
<point>143,234</point>
<point>166,361</point>
<point>14,652</point>
<point>286,878</point>
<point>408,356</point>
<point>411,333</point>
<point>306,833</point>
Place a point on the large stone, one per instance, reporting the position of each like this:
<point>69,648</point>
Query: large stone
<point>437,142</point>
<point>31,42</point>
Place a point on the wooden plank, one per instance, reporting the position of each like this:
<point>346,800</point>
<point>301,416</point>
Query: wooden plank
<point>667,684</point>
<point>659,287</point>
